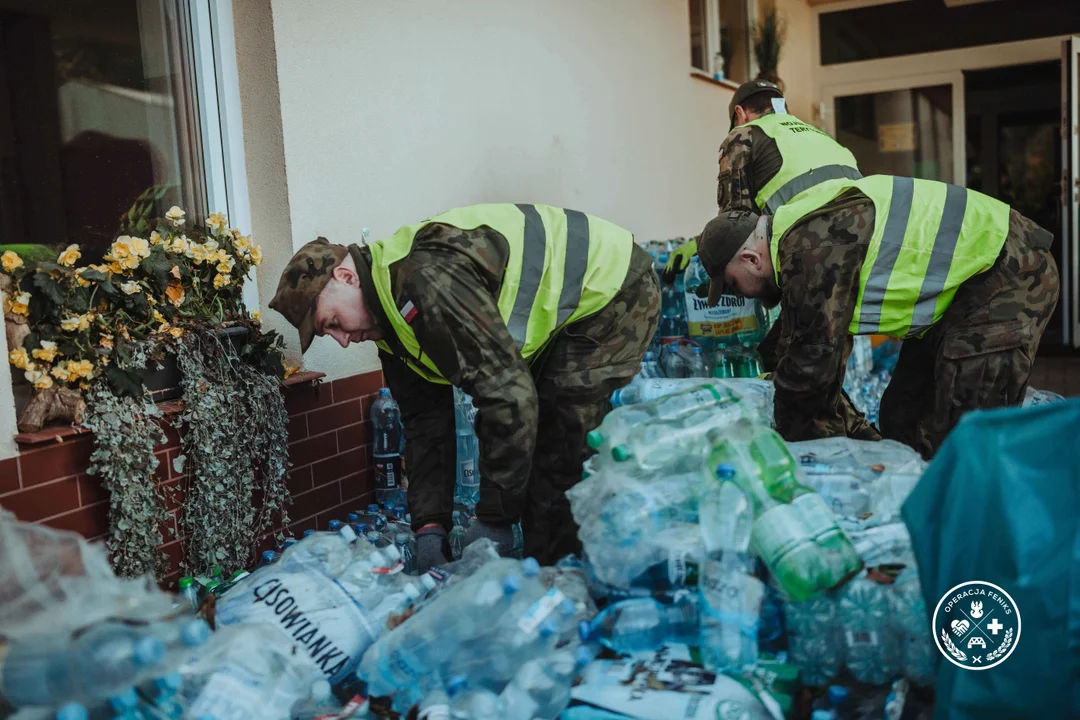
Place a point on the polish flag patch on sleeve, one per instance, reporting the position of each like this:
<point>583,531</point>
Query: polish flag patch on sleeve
<point>408,312</point>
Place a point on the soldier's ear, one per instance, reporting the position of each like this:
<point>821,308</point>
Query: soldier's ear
<point>346,275</point>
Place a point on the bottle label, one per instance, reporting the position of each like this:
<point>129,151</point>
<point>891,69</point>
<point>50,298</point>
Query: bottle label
<point>731,316</point>
<point>435,712</point>
<point>676,568</point>
<point>468,473</point>
<point>309,608</point>
<point>387,473</point>
<point>540,610</point>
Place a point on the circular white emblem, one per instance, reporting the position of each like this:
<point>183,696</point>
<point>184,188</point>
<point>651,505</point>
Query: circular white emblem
<point>976,625</point>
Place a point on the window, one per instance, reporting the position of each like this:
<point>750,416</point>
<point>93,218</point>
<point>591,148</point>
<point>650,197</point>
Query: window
<point>96,106</point>
<point>720,38</point>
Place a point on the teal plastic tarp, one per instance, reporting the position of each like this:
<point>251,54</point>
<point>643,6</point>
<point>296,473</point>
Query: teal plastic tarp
<point>1001,503</point>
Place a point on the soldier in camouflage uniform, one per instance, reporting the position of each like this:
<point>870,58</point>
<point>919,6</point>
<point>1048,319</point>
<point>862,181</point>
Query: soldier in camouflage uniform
<point>977,353</point>
<point>533,415</point>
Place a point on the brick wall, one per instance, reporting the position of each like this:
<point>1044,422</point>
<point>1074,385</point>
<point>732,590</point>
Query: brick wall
<point>329,446</point>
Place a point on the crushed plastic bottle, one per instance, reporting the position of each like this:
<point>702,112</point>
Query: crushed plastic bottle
<point>467,489</point>
<point>644,624</point>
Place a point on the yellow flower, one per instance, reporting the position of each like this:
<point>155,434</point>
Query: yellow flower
<point>62,372</point>
<point>155,238</point>
<point>198,253</point>
<point>175,293</point>
<point>125,253</point>
<point>47,352</point>
<point>131,287</point>
<point>256,315</point>
<point>106,342</point>
<point>256,255</point>
<point>21,304</point>
<point>211,247</point>
<point>77,322</point>
<point>243,244</point>
<point>217,222</point>
<point>175,216</point>
<point>70,256</point>
<point>139,246</point>
<point>115,268</point>
<point>158,317</point>
<point>82,368</point>
<point>10,261</point>
<point>84,386</point>
<point>6,302</point>
<point>225,265</point>
<point>19,358</point>
<point>289,369</point>
<point>221,281</point>
<point>79,278</point>
<point>176,332</point>
<point>104,360</point>
<point>180,245</point>
<point>38,378</point>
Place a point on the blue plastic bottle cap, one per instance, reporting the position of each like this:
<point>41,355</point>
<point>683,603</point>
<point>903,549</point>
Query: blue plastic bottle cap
<point>566,607</point>
<point>309,533</point>
<point>456,684</point>
<point>334,525</point>
<point>373,508</point>
<point>384,392</point>
<point>837,694</point>
<point>511,584</point>
<point>401,538</point>
<point>72,711</point>
<point>195,633</point>
<point>725,471</point>
<point>352,517</point>
<point>289,542</point>
<point>269,556</point>
<point>171,682</point>
<point>148,651</point>
<point>530,567</point>
<point>822,715</point>
<point>584,630</point>
<point>125,700</point>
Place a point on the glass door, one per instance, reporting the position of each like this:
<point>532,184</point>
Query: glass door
<point>1069,303</point>
<point>914,131</point>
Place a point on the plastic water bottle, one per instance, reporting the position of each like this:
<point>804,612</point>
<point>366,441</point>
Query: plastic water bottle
<point>918,661</point>
<point>795,533</point>
<point>731,596</point>
<point>870,650</point>
<point>814,641</point>
<point>103,661</point>
<point>389,440</point>
<point>698,367</point>
<point>723,365</point>
<point>467,490</point>
<point>644,624</point>
<point>672,362</point>
<point>703,321</point>
<point>189,592</point>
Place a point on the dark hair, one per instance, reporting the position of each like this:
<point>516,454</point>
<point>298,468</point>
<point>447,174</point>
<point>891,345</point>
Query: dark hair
<point>761,103</point>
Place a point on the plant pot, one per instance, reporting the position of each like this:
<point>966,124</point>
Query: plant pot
<point>165,382</point>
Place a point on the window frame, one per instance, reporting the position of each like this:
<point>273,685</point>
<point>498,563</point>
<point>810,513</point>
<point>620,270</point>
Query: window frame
<point>712,41</point>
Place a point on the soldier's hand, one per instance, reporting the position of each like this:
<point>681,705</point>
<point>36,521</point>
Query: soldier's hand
<point>678,260</point>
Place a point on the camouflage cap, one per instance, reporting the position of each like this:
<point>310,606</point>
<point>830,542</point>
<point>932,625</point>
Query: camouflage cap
<point>301,282</point>
<point>748,90</point>
<point>719,241</point>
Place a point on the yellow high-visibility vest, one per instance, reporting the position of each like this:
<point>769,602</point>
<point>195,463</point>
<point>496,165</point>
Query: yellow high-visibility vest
<point>564,265</point>
<point>810,157</point>
<point>929,237</point>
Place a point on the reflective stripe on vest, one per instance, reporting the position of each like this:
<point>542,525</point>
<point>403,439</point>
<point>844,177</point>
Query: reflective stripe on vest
<point>563,265</point>
<point>802,183</point>
<point>809,157</point>
<point>929,237</point>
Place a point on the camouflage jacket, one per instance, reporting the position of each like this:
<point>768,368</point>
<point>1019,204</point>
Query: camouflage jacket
<point>820,260</point>
<point>749,159</point>
<point>453,277</point>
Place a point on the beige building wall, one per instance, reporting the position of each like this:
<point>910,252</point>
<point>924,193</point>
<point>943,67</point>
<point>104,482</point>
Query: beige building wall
<point>796,57</point>
<point>391,112</point>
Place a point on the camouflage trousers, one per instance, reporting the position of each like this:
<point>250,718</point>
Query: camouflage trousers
<point>575,377</point>
<point>979,354</point>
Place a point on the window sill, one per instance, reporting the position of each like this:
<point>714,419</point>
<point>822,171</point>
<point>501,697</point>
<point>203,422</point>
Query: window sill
<point>58,433</point>
<point>710,79</point>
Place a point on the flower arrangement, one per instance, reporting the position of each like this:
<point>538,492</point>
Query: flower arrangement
<point>171,278</point>
<point>87,333</point>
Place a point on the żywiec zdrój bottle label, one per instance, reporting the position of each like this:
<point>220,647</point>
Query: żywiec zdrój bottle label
<point>730,316</point>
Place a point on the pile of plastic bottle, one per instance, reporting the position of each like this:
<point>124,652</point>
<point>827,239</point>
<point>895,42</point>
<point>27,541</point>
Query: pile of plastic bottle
<point>718,555</point>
